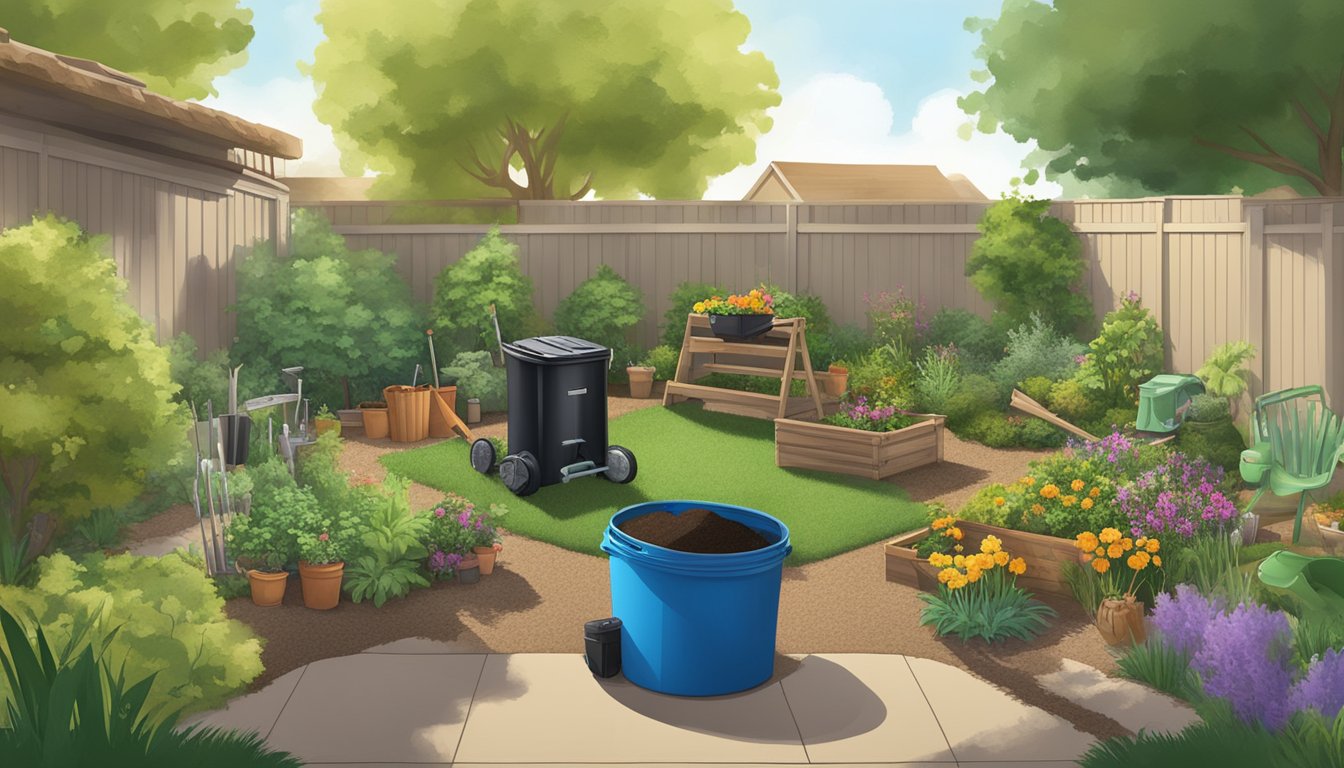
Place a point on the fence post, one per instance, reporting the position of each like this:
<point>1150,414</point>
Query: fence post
<point>1163,308</point>
<point>791,245</point>
<point>1255,292</point>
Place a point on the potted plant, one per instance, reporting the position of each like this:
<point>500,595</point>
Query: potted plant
<point>261,547</point>
<point>837,380</point>
<point>469,569</point>
<point>482,533</point>
<point>326,421</point>
<point>324,540</point>
<point>1120,617</point>
<point>374,413</point>
<point>738,318</point>
<point>463,540</point>
<point>641,379</point>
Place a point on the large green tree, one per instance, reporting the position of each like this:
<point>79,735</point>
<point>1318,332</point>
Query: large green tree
<point>178,47</point>
<point>1195,96</point>
<point>619,96</point>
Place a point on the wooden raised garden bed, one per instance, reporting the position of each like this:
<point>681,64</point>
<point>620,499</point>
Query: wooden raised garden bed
<point>1045,556</point>
<point>875,455</point>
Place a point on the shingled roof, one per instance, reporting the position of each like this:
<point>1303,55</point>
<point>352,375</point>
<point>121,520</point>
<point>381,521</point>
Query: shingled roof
<point>830,182</point>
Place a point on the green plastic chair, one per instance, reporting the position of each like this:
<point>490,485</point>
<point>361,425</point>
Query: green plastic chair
<point>1297,442</point>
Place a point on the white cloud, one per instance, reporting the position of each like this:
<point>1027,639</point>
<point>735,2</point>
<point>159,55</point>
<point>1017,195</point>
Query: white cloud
<point>285,104</point>
<point>839,118</point>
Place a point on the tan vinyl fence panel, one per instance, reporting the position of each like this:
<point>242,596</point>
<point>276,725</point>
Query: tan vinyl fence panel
<point>1212,269</point>
<point>175,229</point>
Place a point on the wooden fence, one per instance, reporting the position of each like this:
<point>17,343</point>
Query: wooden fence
<point>1212,269</point>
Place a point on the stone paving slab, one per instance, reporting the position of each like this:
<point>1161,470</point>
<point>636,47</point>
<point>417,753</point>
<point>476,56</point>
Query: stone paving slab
<point>1136,707</point>
<point>255,712</point>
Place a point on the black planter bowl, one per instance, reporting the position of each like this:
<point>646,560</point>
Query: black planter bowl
<point>740,327</point>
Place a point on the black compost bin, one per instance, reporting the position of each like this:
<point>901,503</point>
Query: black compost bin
<point>557,416</point>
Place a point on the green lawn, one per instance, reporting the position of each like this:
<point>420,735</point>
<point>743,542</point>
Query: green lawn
<point>684,453</point>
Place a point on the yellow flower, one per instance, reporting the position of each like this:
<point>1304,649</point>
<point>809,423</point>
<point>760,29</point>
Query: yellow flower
<point>942,523</point>
<point>973,575</point>
<point>1101,565</point>
<point>1115,550</point>
<point>1153,546</point>
<point>1028,480</point>
<point>1136,563</point>
<point>998,501</point>
<point>956,533</point>
<point>1100,551</point>
<point>959,560</point>
<point>1037,509</point>
<point>1068,500</point>
<point>1077,485</point>
<point>1086,541</point>
<point>1109,535</point>
<point>984,561</point>
<point>1000,558</point>
<point>1049,490</point>
<point>1127,543</point>
<point>958,548</point>
<point>991,544</point>
<point>1017,566</point>
<point>1095,492</point>
<point>1141,542</point>
<point>1157,560</point>
<point>699,307</point>
<point>1085,503</point>
<point>946,575</point>
<point>939,560</point>
<point>957,582</point>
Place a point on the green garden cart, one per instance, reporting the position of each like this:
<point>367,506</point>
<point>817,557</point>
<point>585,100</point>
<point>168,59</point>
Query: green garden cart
<point>1163,401</point>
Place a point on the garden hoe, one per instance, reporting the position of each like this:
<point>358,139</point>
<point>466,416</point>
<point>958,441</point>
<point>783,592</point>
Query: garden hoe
<point>437,403</point>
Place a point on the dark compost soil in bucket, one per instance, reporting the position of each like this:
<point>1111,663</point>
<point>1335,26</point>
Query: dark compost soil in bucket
<point>694,530</point>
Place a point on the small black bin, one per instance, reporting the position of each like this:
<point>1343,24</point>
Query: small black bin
<point>557,416</point>
<point>602,646</point>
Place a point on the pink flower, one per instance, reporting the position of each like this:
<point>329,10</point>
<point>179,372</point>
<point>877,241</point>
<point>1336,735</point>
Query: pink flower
<point>440,512</point>
<point>322,537</point>
<point>498,546</point>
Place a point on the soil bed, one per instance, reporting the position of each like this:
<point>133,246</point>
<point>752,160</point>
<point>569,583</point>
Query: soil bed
<point>694,530</point>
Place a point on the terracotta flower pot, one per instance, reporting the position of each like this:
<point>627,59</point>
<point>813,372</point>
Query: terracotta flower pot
<point>641,380</point>
<point>838,380</point>
<point>268,589</point>
<point>1121,622</point>
<point>375,422</point>
<point>486,556</point>
<point>321,584</point>
<point>469,570</point>
<point>327,425</point>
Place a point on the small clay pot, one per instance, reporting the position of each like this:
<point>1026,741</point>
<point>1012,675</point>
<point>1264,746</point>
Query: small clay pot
<point>268,588</point>
<point>641,380</point>
<point>837,381</point>
<point>321,584</point>
<point>486,556</point>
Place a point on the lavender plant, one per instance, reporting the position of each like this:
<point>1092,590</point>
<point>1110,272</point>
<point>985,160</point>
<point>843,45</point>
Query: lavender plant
<point>1180,495</point>
<point>1246,660</point>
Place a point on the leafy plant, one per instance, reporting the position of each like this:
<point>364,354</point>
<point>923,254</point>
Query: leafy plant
<point>994,429</point>
<point>1037,388</point>
<point>805,305</point>
<point>1218,442</point>
<point>15,568</point>
<point>201,381</point>
<point>1035,349</point>
<point>1106,549</point>
<point>71,710</point>
<point>1127,352</point>
<point>1207,408</point>
<point>1181,496</point>
<point>324,534</point>
<point>894,318</point>
<point>263,539</point>
<point>1224,373</point>
<point>1204,743</point>
<point>1028,262</point>
<point>463,292</point>
<point>1036,433</point>
<point>978,596</point>
<point>602,309</point>
<point>979,342</point>
<point>840,342</point>
<point>663,359</point>
<point>172,622</point>
<point>1083,585</point>
<point>681,303</point>
<point>975,395</point>
<point>101,529</point>
<point>477,376</point>
<point>388,564</point>
<point>345,315</point>
<point>884,376</point>
<point>939,377</point>
<point>70,440</point>
<point>1315,633</point>
<point>857,414</point>
<point>1158,666</point>
<point>1077,404</point>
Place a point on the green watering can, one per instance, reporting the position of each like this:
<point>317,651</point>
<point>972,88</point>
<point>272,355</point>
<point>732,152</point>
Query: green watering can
<point>1318,582</point>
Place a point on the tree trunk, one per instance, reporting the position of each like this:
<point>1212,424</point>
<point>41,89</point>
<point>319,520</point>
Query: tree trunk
<point>17,475</point>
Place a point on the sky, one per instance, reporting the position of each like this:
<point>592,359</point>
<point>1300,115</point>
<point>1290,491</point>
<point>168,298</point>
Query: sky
<point>862,81</point>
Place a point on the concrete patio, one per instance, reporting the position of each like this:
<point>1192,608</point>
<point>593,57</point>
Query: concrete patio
<point>419,702</point>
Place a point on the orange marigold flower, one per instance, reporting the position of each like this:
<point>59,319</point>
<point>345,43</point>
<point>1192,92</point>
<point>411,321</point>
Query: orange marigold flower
<point>946,574</point>
<point>1086,503</point>
<point>998,501</point>
<point>1141,542</point>
<point>1077,485</point>
<point>1136,563</point>
<point>1127,543</point>
<point>1101,551</point>
<point>956,533</point>
<point>1086,541</point>
<point>1037,509</point>
<point>972,575</point>
<point>1068,500</point>
<point>1157,560</point>
<point>1153,546</point>
<point>1001,558</point>
<point>1017,566</point>
<point>1115,550</point>
<point>1101,565</point>
<point>1095,492</point>
<point>1049,490</point>
<point>984,561</point>
<point>1109,535</point>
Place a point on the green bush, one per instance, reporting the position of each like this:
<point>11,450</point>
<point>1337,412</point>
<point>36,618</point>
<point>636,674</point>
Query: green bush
<point>939,375</point>
<point>1218,441</point>
<point>172,622</point>
<point>1035,349</point>
<point>1039,434</point>
<point>200,380</point>
<point>993,608</point>
<point>884,376</point>
<point>602,310</point>
<point>663,359</point>
<point>1074,403</point>
<point>345,316</point>
<point>841,342</point>
<point>390,550</point>
<point>487,274</point>
<point>477,376</point>
<point>994,429</point>
<point>893,318</point>
<point>86,392</point>
<point>1028,262</point>
<point>974,396</point>
<point>1225,741</point>
<point>982,507</point>
<point>1156,665</point>
<point>1207,408</point>
<point>1113,419</point>
<point>1037,388</point>
<point>680,304</point>
<point>805,305</point>
<point>263,539</point>
<point>979,343</point>
<point>1127,352</point>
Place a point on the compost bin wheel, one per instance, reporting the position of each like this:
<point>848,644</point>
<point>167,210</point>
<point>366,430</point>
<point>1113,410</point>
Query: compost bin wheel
<point>621,464</point>
<point>483,456</point>
<point>521,474</point>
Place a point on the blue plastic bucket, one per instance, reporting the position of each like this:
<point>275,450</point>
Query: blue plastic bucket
<point>696,624</point>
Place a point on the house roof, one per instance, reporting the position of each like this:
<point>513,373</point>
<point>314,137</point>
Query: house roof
<point>823,182</point>
<point>113,102</point>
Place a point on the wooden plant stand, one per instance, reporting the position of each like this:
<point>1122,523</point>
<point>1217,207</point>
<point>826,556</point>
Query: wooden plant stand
<point>776,349</point>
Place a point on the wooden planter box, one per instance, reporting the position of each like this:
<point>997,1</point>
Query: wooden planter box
<point>875,455</point>
<point>1045,556</point>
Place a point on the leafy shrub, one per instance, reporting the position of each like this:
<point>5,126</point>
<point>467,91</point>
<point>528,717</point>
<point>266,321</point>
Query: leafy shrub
<point>1225,372</point>
<point>1219,442</point>
<point>663,359</point>
<point>387,563</point>
<point>1037,388</point>
<point>263,539</point>
<point>1158,666</point>
<point>978,596</point>
<point>841,342</point>
<point>171,620</point>
<point>200,380</point>
<point>1315,633</point>
<point>1206,408</point>
<point>1122,417</point>
<point>994,429</point>
<point>805,305</point>
<point>974,396</point>
<point>1074,403</point>
<point>602,309</point>
<point>75,711</point>
<point>1127,352</point>
<point>1036,433</point>
<point>1027,262</point>
<point>680,303</point>
<point>885,377</point>
<point>988,506</point>
<point>938,379</point>
<point>487,274</point>
<point>1035,349</point>
<point>1220,742</point>
<point>346,316</point>
<point>477,376</point>
<point>894,318</point>
<point>86,392</point>
<point>979,343</point>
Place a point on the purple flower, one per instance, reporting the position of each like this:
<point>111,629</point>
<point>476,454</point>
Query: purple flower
<point>1184,619</point>
<point>1322,688</point>
<point>464,519</point>
<point>438,561</point>
<point>1246,660</point>
<point>1079,359</point>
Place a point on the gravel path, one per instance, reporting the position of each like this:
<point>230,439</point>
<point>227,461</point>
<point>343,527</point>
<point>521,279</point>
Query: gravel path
<point>540,595</point>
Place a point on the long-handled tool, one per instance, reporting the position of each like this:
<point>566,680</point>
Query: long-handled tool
<point>499,340</point>
<point>433,362</point>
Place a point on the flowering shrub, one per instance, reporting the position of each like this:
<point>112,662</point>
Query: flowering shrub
<point>978,596</point>
<point>1322,688</point>
<point>755,302</point>
<point>1182,620</point>
<point>1127,352</point>
<point>860,415</point>
<point>895,318</point>
<point>456,525</point>
<point>1103,550</point>
<point>1181,495</point>
<point>946,537</point>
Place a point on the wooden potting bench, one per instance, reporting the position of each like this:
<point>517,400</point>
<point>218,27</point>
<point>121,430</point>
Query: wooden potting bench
<point>774,354</point>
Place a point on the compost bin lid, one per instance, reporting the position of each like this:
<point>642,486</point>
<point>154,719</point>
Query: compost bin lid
<point>556,350</point>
